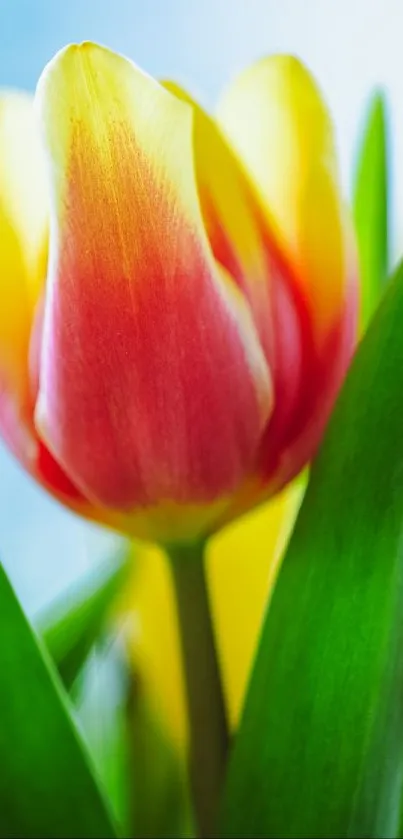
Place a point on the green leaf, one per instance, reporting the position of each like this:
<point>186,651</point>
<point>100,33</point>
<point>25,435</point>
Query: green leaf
<point>370,205</point>
<point>101,700</point>
<point>71,625</point>
<point>160,796</point>
<point>141,769</point>
<point>320,747</point>
<point>46,786</point>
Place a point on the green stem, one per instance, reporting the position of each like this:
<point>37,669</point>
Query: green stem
<point>206,711</point>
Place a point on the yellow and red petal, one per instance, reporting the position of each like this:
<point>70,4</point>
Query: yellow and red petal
<point>276,118</point>
<point>243,239</point>
<point>23,237</point>
<point>23,262</point>
<point>153,383</point>
<point>232,216</point>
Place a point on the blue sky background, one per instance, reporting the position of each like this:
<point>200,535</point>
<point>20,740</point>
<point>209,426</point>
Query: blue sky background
<point>350,45</point>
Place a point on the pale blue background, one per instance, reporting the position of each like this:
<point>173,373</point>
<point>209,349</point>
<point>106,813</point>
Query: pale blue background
<point>349,44</point>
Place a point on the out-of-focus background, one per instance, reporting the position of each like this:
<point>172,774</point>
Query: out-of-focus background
<point>350,45</point>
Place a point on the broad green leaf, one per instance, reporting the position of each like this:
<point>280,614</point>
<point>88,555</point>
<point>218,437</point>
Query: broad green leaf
<point>320,747</point>
<point>46,786</point>
<point>71,625</point>
<point>370,205</point>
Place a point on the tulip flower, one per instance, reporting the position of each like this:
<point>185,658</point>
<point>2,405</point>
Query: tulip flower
<point>174,361</point>
<point>180,310</point>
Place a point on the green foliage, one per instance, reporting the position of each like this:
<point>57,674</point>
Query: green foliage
<point>371,206</point>
<point>160,794</point>
<point>47,788</point>
<point>319,752</point>
<point>71,625</point>
<point>100,695</point>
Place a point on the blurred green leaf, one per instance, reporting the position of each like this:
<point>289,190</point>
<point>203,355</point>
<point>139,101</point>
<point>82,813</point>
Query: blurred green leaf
<point>370,204</point>
<point>71,624</point>
<point>319,752</point>
<point>101,699</point>
<point>46,786</point>
<point>160,794</point>
<point>142,772</point>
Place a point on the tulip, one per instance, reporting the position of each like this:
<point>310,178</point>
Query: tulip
<point>174,361</point>
<point>180,310</point>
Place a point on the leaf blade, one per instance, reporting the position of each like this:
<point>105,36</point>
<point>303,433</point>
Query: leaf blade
<point>71,624</point>
<point>371,205</point>
<point>46,785</point>
<point>318,752</point>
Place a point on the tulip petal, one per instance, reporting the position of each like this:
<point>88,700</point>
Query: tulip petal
<point>276,119</point>
<point>23,241</point>
<point>243,239</point>
<point>234,222</point>
<point>154,639</point>
<point>153,383</point>
<point>23,262</point>
<point>243,561</point>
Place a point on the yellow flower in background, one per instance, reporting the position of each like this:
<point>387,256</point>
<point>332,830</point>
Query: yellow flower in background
<point>174,363</point>
<point>242,562</point>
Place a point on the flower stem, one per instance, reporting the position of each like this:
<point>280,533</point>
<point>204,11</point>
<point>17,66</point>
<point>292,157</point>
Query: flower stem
<point>206,711</point>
